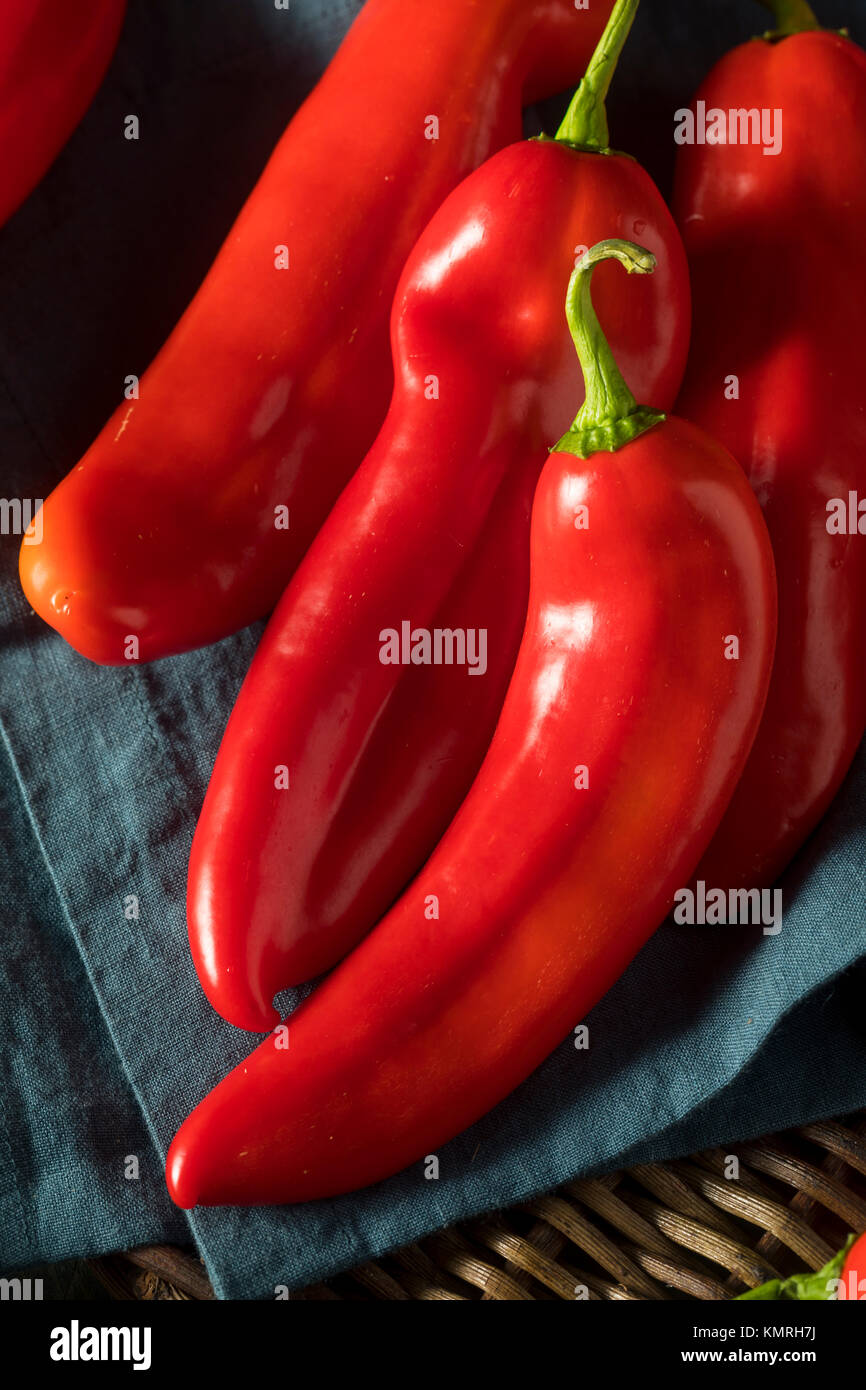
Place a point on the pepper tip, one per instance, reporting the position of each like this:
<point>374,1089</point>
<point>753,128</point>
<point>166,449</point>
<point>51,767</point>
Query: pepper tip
<point>178,1180</point>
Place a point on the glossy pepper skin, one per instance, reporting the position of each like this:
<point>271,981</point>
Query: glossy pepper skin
<point>52,59</point>
<point>622,735</point>
<point>775,249</point>
<point>272,387</point>
<point>432,530</point>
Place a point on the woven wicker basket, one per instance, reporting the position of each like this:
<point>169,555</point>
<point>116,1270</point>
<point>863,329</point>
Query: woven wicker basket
<point>677,1230</point>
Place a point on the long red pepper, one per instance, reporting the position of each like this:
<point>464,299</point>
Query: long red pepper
<point>338,773</point>
<point>52,59</point>
<point>622,735</point>
<point>776,372</point>
<point>186,518</point>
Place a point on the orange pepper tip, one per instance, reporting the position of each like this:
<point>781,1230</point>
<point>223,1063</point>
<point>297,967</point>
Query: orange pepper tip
<point>54,598</point>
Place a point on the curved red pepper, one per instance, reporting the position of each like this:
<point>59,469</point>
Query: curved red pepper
<point>290,868</point>
<point>622,735</point>
<point>775,246</point>
<point>52,59</point>
<point>186,518</point>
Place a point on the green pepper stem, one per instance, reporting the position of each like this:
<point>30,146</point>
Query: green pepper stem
<point>585,121</point>
<point>792,17</point>
<point>609,417</point>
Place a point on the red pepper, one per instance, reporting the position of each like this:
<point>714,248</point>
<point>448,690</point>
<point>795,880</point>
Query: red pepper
<point>188,515</point>
<point>775,247</point>
<point>338,773</point>
<point>853,1279</point>
<point>52,59</point>
<point>622,735</point>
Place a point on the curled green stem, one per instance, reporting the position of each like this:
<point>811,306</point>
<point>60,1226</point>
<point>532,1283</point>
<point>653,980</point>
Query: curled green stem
<point>609,417</point>
<point>585,121</point>
<point>792,17</point>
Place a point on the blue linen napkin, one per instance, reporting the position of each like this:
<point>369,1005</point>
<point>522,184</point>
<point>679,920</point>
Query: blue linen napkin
<point>108,1041</point>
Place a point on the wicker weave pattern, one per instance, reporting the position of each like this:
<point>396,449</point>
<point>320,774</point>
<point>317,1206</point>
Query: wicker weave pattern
<point>678,1230</point>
